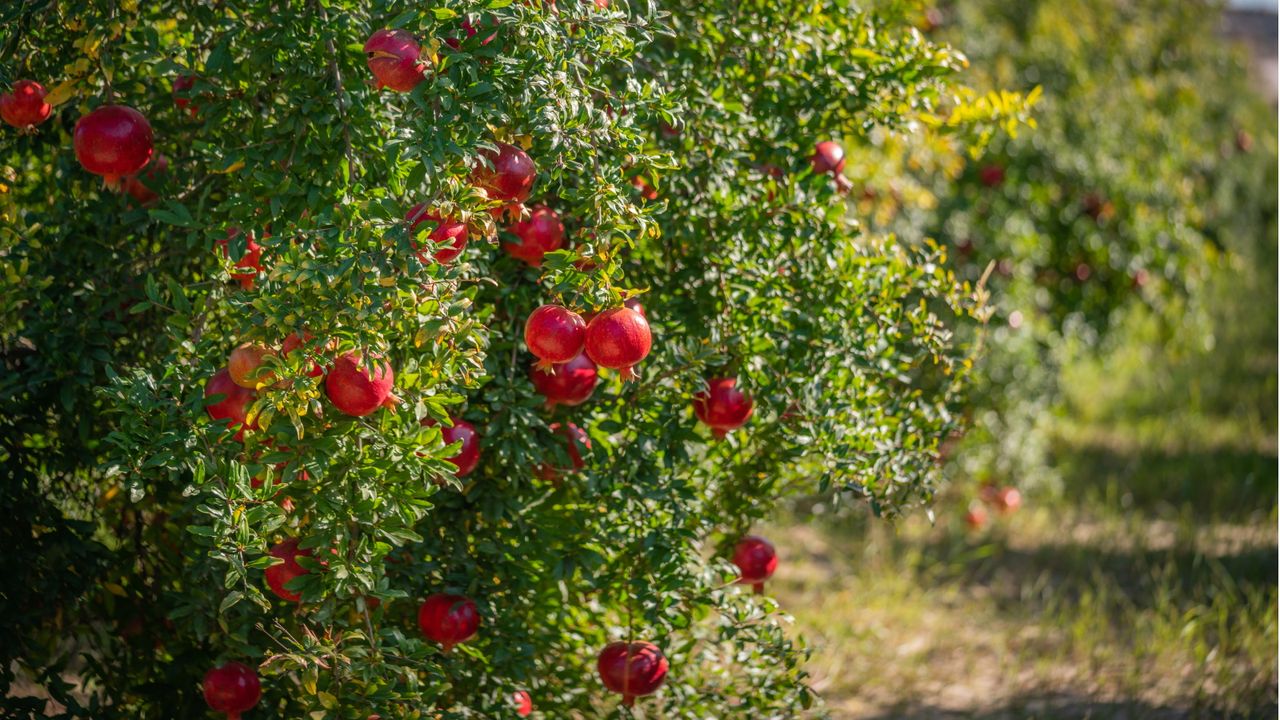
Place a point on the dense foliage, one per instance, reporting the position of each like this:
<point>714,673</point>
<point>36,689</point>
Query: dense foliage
<point>672,143</point>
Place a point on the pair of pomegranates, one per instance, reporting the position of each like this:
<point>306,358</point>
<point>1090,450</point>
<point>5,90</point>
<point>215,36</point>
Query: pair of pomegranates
<point>24,107</point>
<point>618,338</point>
<point>722,406</point>
<point>232,688</point>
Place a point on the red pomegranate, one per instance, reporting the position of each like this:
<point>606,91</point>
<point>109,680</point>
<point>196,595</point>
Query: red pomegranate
<point>354,390</point>
<point>756,560</point>
<point>449,235</point>
<point>507,173</point>
<point>394,59</point>
<point>293,342</point>
<point>618,339</point>
<point>232,689</point>
<point>722,407</point>
<point>634,304</point>
<point>647,191</point>
<point>234,405</point>
<point>828,157</point>
<point>976,517</point>
<point>991,175</point>
<point>448,619</point>
<point>181,88</point>
<point>523,703</point>
<point>554,334</point>
<point>113,141</point>
<point>244,363</point>
<point>470,29</point>
<point>539,234</point>
<point>280,574</point>
<point>464,432</point>
<point>24,105</point>
<point>575,438</point>
<point>137,190</point>
<point>249,264</point>
<point>1008,500</point>
<point>569,384</point>
<point>632,669</point>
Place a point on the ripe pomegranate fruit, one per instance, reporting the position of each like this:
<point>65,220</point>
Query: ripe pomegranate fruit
<point>991,175</point>
<point>569,384</point>
<point>618,339</point>
<point>554,334</point>
<point>575,438</point>
<point>244,364</point>
<point>976,517</point>
<point>506,174</point>
<point>280,574</point>
<point>647,191</point>
<point>539,234</point>
<point>449,235</point>
<point>394,59</point>
<point>249,264</point>
<point>462,431</point>
<point>523,703</point>
<point>24,106</point>
<point>722,406</point>
<point>632,669</point>
<point>181,87</point>
<point>756,560</point>
<point>354,390</point>
<point>233,406</point>
<point>828,157</point>
<point>294,342</point>
<point>113,141</point>
<point>140,192</point>
<point>1007,500</point>
<point>634,304</point>
<point>232,688</point>
<point>448,619</point>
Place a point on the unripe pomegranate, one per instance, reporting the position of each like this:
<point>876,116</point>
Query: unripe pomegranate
<point>244,364</point>
<point>448,619</point>
<point>249,264</point>
<point>140,192</point>
<point>449,235</point>
<point>294,342</point>
<point>828,157</point>
<point>632,669</point>
<point>575,438</point>
<point>280,574</point>
<point>232,689</point>
<point>618,339</point>
<point>506,174</point>
<point>756,560</point>
<point>354,390</point>
<point>394,59</point>
<point>233,406</point>
<point>722,406</point>
<point>523,703</point>
<point>462,431</point>
<point>569,384</point>
<point>24,106</point>
<point>554,334</point>
<point>991,175</point>
<point>113,141</point>
<point>539,234</point>
<point>181,86</point>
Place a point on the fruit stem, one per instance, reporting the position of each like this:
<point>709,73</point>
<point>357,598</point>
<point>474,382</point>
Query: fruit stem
<point>627,373</point>
<point>629,700</point>
<point>759,588</point>
<point>719,433</point>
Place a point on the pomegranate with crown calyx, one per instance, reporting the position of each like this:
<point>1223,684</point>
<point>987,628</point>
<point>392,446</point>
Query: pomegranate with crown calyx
<point>569,384</point>
<point>632,669</point>
<point>722,406</point>
<point>232,688</point>
<point>280,574</point>
<point>506,174</point>
<point>250,264</point>
<point>468,456</point>
<point>576,440</point>
<point>245,363</point>
<point>113,141</point>
<point>827,158</point>
<point>539,234</point>
<point>358,390</point>
<point>449,235</point>
<point>756,560</point>
<point>448,619</point>
<point>24,107</point>
<point>618,339</point>
<point>554,334</point>
<point>234,405</point>
<point>395,60</point>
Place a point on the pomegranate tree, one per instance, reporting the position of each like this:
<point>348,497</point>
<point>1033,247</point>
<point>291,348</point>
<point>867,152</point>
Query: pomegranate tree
<point>232,688</point>
<point>448,619</point>
<point>539,234</point>
<point>113,141</point>
<point>722,406</point>
<point>632,669</point>
<point>618,339</point>
<point>358,388</point>
<point>24,107</point>
<point>756,560</point>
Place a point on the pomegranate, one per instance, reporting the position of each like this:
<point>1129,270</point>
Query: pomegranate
<point>506,174</point>
<point>232,688</point>
<point>233,406</point>
<point>244,365</point>
<point>991,175</point>
<point>140,192</point>
<point>448,619</point>
<point>554,334</point>
<point>722,407</point>
<point>249,264</point>
<point>470,29</point>
<point>569,384</point>
<point>828,157</point>
<point>575,438</point>
<point>449,235</point>
<point>1007,500</point>
<point>756,560</point>
<point>632,669</point>
<point>634,304</point>
<point>976,517</point>
<point>113,141</point>
<point>462,431</point>
<point>24,105</point>
<point>646,190</point>
<point>539,234</point>
<point>294,342</point>
<point>181,88</point>
<point>523,703</point>
<point>618,339</point>
<point>280,574</point>
<point>354,390</point>
<point>394,59</point>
